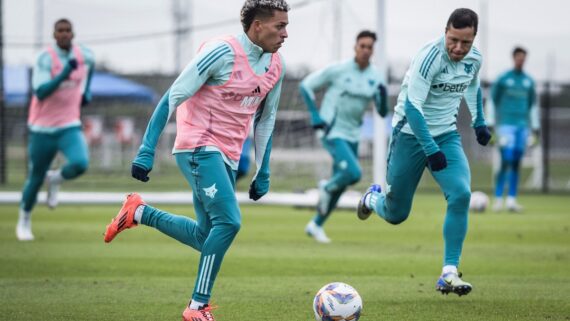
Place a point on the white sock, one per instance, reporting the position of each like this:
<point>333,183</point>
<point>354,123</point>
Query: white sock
<point>511,200</point>
<point>367,200</point>
<point>448,269</point>
<point>56,177</point>
<point>24,216</point>
<point>195,305</point>
<point>139,213</point>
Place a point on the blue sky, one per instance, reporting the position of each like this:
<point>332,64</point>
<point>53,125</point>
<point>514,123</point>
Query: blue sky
<point>540,26</point>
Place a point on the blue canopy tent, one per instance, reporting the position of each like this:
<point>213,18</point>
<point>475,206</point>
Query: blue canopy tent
<point>104,86</point>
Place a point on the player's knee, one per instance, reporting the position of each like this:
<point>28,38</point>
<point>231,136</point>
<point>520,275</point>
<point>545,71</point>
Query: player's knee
<point>354,175</point>
<point>516,164</point>
<point>397,214</point>
<point>233,226</point>
<point>78,168</point>
<point>460,198</point>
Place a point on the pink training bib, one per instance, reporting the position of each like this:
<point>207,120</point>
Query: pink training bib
<point>62,107</point>
<point>221,115</point>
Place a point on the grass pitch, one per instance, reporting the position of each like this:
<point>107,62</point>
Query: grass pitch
<point>519,266</point>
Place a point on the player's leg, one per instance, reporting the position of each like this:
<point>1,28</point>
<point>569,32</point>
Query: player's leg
<point>455,182</point>
<point>406,163</point>
<point>181,228</point>
<point>214,182</point>
<point>507,141</point>
<point>42,149</point>
<point>73,145</point>
<point>520,137</point>
<point>346,171</point>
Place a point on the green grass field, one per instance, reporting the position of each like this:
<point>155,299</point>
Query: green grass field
<point>519,266</point>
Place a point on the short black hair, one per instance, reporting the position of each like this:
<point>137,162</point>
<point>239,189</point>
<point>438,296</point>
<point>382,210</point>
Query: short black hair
<point>260,9</point>
<point>463,18</point>
<point>366,33</point>
<point>519,50</point>
<point>62,20</point>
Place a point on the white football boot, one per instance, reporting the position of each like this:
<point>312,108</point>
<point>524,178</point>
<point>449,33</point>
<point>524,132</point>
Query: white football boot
<point>512,205</point>
<point>498,205</point>
<point>452,282</point>
<point>317,232</point>
<point>24,226</point>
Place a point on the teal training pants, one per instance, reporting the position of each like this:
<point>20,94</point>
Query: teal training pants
<point>406,164</point>
<point>42,148</point>
<point>218,218</point>
<point>345,172</point>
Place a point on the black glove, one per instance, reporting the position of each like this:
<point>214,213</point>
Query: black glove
<point>140,173</point>
<point>322,126</point>
<point>437,161</point>
<point>72,63</point>
<point>483,135</point>
<point>258,188</point>
<point>382,90</point>
<point>85,101</point>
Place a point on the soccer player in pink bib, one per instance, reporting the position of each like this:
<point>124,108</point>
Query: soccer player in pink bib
<point>232,82</point>
<point>60,82</point>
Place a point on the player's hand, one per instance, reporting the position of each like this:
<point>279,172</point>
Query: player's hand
<point>317,122</point>
<point>493,140</point>
<point>321,125</point>
<point>533,139</point>
<point>140,173</point>
<point>382,90</point>
<point>85,100</point>
<point>72,63</point>
<point>143,163</point>
<point>483,135</point>
<point>437,161</point>
<point>258,188</point>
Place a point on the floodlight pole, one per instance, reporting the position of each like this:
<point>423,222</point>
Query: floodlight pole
<point>39,24</point>
<point>380,139</point>
<point>337,29</point>
<point>3,138</point>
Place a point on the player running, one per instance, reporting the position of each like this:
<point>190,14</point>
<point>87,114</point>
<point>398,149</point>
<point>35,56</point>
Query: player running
<point>513,99</point>
<point>60,81</point>
<point>425,135</point>
<point>230,83</point>
<point>350,86</point>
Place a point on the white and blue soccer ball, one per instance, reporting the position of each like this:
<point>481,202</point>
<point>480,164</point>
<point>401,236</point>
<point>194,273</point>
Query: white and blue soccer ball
<point>479,202</point>
<point>337,301</point>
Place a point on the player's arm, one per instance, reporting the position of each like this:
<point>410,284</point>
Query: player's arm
<point>423,70</point>
<point>534,111</point>
<point>206,65</point>
<point>474,99</point>
<point>42,82</point>
<point>90,65</point>
<point>263,125</point>
<point>497,90</point>
<point>381,99</point>
<point>307,88</point>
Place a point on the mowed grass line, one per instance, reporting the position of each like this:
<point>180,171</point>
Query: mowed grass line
<point>518,264</point>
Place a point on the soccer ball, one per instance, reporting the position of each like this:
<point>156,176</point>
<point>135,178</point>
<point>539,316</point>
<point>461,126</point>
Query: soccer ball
<point>479,202</point>
<point>337,302</point>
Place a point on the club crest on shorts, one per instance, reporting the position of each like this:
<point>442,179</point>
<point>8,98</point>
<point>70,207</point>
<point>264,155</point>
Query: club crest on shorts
<point>210,191</point>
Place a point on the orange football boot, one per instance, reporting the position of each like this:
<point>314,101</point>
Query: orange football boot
<point>202,314</point>
<point>125,218</point>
